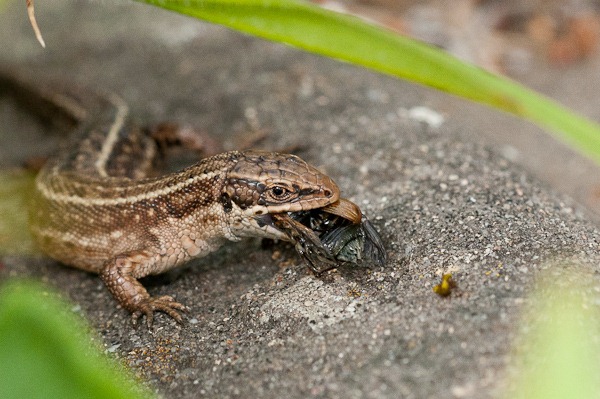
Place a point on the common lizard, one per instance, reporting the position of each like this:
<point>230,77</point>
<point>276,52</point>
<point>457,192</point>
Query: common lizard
<point>96,207</point>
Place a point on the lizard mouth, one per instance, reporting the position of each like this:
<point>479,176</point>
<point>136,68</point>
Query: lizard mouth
<point>332,235</point>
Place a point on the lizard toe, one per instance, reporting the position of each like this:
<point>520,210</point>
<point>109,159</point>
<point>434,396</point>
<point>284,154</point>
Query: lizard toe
<point>165,304</point>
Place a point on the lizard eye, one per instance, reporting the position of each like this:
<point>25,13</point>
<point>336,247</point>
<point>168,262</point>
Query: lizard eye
<point>279,192</point>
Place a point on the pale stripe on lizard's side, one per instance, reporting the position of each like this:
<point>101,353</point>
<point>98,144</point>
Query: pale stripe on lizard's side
<point>122,111</point>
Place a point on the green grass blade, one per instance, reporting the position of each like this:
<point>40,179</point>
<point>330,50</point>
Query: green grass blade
<point>347,38</point>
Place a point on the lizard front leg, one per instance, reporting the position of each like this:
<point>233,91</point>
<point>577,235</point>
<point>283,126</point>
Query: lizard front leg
<point>120,275</point>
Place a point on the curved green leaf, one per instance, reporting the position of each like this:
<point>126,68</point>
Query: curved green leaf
<point>350,39</point>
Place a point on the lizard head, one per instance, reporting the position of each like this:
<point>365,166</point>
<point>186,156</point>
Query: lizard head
<point>261,184</point>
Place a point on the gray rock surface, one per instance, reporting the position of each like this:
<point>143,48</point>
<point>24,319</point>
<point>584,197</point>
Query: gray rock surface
<point>261,325</point>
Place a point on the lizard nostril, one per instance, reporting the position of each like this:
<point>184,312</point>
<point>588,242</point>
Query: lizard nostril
<point>327,193</point>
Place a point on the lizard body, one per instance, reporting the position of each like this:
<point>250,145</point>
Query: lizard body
<point>96,206</point>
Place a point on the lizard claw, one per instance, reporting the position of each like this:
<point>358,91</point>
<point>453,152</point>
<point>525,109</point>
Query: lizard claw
<point>165,304</point>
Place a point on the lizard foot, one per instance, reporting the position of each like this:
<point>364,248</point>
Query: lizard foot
<point>165,304</point>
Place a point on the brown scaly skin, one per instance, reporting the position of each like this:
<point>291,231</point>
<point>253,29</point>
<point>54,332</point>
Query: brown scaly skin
<point>95,208</point>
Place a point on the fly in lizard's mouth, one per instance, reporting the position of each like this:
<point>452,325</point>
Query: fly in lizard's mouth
<point>330,236</point>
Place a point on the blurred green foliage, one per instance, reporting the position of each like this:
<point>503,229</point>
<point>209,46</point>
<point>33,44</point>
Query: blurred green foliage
<point>46,352</point>
<point>558,356</point>
<point>15,191</point>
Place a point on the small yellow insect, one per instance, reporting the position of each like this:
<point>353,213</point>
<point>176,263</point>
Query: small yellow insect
<point>445,287</point>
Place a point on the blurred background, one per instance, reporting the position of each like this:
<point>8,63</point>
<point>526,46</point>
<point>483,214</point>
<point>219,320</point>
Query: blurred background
<point>548,45</point>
